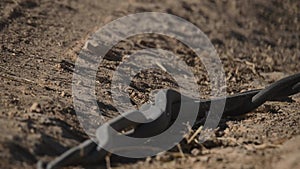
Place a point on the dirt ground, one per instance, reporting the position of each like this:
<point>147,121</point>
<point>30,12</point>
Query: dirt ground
<point>257,41</point>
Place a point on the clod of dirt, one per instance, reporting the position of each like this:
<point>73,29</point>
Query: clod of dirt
<point>36,107</point>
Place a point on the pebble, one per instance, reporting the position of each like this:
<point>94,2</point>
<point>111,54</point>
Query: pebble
<point>195,151</point>
<point>36,107</point>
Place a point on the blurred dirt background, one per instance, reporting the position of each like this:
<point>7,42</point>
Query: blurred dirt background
<point>257,41</point>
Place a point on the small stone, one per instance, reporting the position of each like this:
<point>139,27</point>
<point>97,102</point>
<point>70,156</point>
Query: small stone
<point>195,152</point>
<point>164,157</point>
<point>148,160</point>
<point>32,131</point>
<point>36,107</point>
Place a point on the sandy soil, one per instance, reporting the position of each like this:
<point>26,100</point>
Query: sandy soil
<point>258,43</point>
